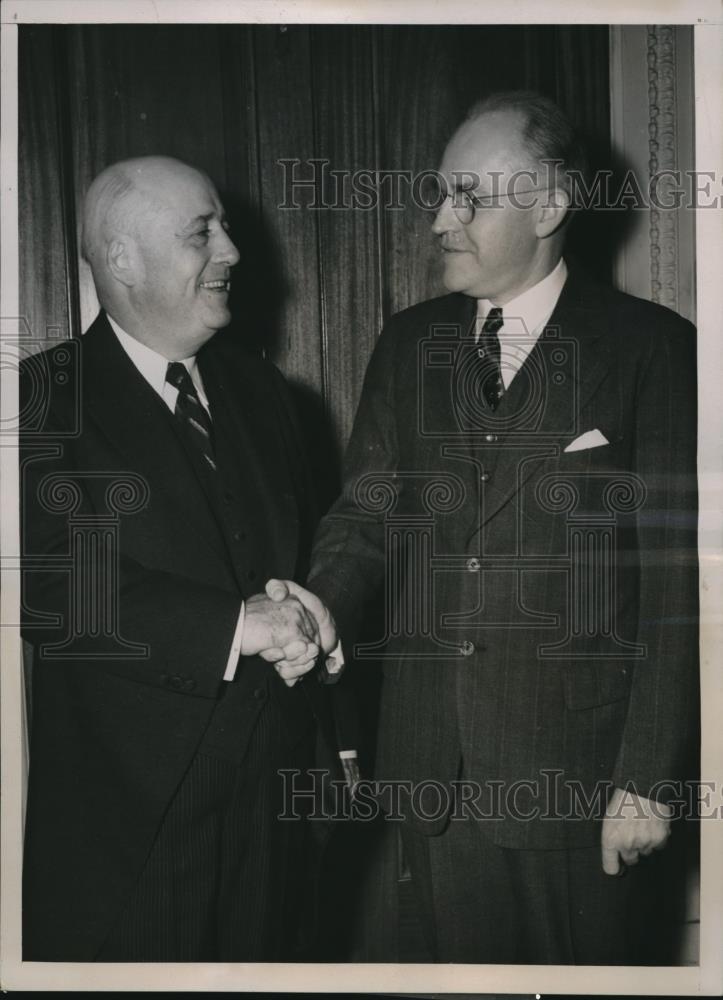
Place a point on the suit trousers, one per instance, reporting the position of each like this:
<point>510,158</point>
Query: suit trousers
<point>219,882</point>
<point>481,903</point>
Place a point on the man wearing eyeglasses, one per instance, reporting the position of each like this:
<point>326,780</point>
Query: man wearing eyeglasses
<point>521,482</point>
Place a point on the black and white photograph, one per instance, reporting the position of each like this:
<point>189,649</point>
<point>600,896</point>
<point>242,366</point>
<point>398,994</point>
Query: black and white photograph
<point>362,492</point>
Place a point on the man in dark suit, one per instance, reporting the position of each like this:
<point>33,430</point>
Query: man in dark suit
<point>162,484</point>
<point>521,479</point>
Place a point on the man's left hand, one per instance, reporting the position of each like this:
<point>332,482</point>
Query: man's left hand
<point>633,827</point>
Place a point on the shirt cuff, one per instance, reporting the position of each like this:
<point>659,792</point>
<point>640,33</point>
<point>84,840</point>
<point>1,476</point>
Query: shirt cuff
<point>335,660</point>
<point>235,653</point>
<point>347,755</point>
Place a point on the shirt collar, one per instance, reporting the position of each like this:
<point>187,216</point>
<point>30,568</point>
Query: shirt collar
<point>152,365</point>
<point>535,306</point>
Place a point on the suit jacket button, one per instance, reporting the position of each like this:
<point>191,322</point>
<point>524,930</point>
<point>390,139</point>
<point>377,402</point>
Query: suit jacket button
<point>259,694</point>
<point>473,565</point>
<point>485,477</point>
<point>467,648</point>
<point>490,438</point>
<point>189,684</point>
<point>175,682</point>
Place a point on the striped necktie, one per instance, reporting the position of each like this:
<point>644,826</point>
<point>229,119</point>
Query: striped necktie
<point>191,412</point>
<point>489,351</point>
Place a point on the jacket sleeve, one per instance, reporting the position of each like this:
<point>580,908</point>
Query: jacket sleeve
<point>661,728</point>
<point>297,456</point>
<point>348,560</point>
<point>185,626</point>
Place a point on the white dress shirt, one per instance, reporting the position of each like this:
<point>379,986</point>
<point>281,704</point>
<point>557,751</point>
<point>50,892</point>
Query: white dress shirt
<point>524,319</point>
<point>153,367</point>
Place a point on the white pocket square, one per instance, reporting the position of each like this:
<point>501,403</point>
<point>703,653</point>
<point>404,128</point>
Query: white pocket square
<point>590,439</point>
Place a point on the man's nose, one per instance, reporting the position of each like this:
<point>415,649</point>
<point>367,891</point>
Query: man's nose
<point>226,252</point>
<point>445,219</point>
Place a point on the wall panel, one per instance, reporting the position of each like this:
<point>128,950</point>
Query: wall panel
<point>350,280</point>
<point>418,115</point>
<point>286,131</point>
<point>42,263</point>
<point>136,90</point>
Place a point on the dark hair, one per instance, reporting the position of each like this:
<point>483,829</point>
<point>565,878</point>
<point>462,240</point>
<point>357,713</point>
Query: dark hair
<point>547,133</point>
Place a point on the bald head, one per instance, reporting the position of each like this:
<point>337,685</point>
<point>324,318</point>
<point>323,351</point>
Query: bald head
<point>155,236</point>
<point>544,134</point>
<point>120,197</point>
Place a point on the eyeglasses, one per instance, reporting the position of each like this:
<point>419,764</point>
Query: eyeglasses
<point>464,203</point>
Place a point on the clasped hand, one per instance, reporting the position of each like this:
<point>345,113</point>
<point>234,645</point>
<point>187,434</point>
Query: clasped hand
<point>289,627</point>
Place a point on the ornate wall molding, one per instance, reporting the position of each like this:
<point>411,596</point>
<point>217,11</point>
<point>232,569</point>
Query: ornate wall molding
<point>663,149</point>
<point>652,115</point>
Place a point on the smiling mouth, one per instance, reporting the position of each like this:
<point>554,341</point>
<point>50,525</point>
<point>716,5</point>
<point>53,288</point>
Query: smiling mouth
<point>216,286</point>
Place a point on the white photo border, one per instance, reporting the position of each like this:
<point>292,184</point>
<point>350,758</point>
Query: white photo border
<point>705,979</point>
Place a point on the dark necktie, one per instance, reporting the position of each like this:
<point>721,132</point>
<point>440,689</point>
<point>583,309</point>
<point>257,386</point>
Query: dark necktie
<point>191,412</point>
<point>489,351</point>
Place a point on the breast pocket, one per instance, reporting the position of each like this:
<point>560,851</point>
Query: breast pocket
<point>607,455</point>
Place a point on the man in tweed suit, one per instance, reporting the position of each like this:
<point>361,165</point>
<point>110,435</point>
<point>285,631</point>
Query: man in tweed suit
<point>521,479</point>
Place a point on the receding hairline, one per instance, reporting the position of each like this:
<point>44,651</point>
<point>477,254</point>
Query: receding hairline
<point>511,155</point>
<point>517,118</point>
<point>547,133</point>
<point>115,185</point>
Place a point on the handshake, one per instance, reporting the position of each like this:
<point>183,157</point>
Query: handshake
<point>290,627</point>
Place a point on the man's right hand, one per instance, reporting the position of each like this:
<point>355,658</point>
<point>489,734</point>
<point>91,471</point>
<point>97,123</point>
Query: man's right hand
<point>279,590</point>
<point>276,630</point>
<point>294,665</point>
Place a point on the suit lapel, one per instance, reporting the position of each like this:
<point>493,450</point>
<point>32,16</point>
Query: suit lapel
<point>260,451</point>
<point>450,344</point>
<point>541,411</point>
<point>443,418</point>
<point>141,427</point>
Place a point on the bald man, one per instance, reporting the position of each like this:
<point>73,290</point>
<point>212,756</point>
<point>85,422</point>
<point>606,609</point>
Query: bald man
<point>159,724</point>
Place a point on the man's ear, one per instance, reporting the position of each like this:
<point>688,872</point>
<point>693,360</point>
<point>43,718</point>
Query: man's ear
<point>551,212</point>
<point>121,262</point>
